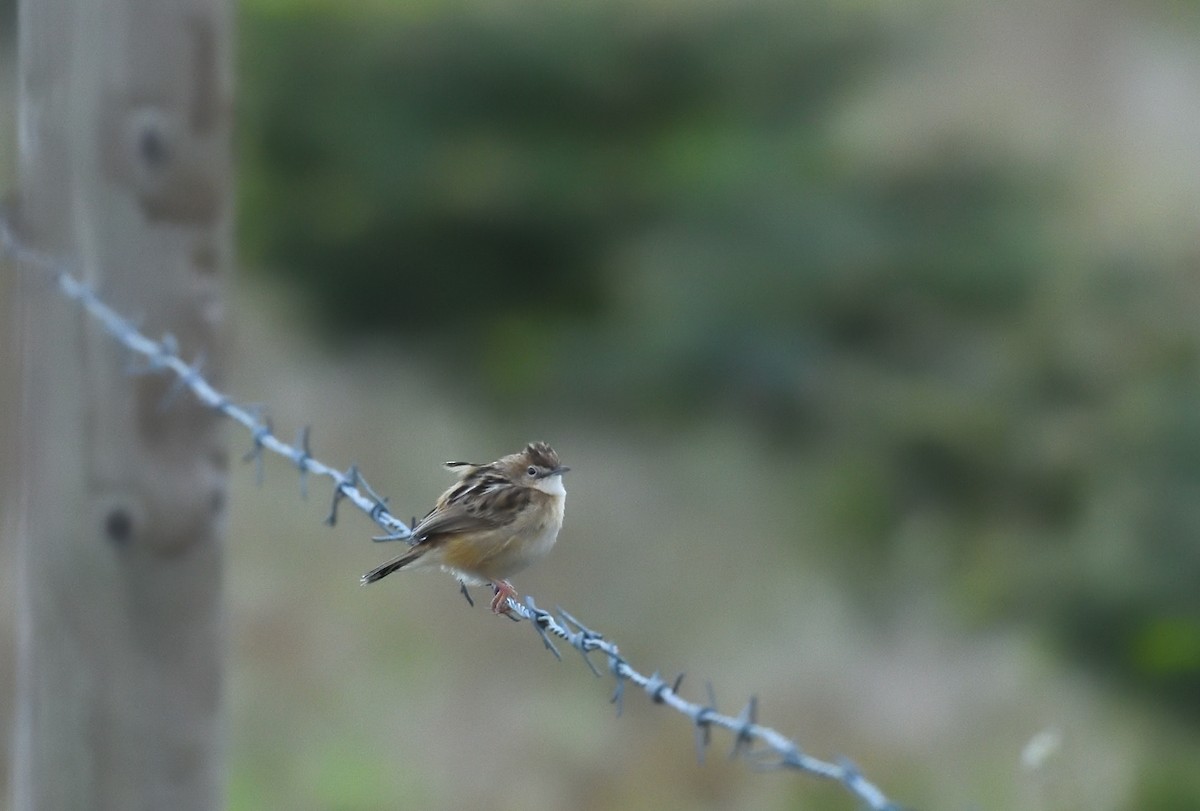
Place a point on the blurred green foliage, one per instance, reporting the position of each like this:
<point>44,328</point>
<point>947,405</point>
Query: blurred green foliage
<point>641,213</point>
<point>479,180</point>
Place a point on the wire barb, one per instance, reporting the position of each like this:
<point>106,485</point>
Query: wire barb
<point>186,380</point>
<point>303,458</point>
<point>379,507</point>
<point>744,733</point>
<point>617,666</point>
<point>348,481</point>
<point>540,621</point>
<point>255,454</point>
<point>656,685</point>
<point>163,356</point>
<point>702,718</point>
<point>583,639</point>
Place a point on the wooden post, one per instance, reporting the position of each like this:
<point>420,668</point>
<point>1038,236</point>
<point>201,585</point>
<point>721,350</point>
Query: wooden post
<point>124,170</point>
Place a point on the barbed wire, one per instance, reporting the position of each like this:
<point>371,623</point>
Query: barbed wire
<point>763,746</point>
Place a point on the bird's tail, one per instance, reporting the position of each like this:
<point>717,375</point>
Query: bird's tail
<point>380,572</point>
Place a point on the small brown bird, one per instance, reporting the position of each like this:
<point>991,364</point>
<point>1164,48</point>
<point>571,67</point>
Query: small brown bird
<point>495,521</point>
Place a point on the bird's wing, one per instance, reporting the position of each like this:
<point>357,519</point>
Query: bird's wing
<point>449,521</point>
<point>474,505</point>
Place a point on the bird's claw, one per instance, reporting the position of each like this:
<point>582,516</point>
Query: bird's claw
<point>503,591</point>
<point>462,587</point>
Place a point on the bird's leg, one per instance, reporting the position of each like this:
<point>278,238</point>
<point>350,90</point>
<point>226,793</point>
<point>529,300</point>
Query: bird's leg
<point>463,588</point>
<point>503,590</point>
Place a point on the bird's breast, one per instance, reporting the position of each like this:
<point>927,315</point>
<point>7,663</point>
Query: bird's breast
<point>544,531</point>
<point>534,540</point>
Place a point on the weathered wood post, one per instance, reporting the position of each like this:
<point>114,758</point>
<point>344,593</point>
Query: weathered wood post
<point>124,169</point>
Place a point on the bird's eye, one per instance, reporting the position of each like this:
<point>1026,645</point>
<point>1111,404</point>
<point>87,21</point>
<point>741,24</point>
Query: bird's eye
<point>531,470</point>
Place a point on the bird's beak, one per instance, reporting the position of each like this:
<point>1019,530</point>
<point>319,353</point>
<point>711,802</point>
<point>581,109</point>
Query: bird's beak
<point>558,471</point>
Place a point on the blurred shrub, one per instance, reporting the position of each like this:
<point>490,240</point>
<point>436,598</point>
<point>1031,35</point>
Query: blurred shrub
<point>640,212</point>
<point>472,178</point>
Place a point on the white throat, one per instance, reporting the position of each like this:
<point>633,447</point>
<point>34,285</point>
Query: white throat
<point>553,485</point>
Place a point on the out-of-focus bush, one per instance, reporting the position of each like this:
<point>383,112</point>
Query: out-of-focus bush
<point>640,212</point>
<point>489,182</point>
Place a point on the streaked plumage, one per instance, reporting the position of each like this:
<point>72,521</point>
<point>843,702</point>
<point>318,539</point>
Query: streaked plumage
<point>496,520</point>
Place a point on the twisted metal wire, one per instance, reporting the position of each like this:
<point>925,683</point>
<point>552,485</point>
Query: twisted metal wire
<point>763,746</point>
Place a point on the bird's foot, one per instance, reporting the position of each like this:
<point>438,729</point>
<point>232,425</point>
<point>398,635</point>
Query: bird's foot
<point>503,590</point>
<point>462,587</point>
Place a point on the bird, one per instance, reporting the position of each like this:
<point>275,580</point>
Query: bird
<point>493,522</point>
